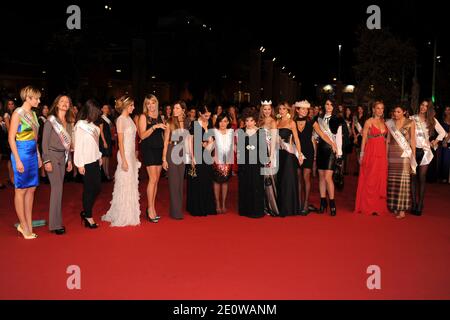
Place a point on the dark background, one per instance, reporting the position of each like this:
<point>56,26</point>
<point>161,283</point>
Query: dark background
<point>303,37</point>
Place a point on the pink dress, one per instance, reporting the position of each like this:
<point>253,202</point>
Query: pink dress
<point>372,183</point>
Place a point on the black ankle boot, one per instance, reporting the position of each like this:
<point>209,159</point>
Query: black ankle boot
<point>332,208</point>
<point>419,209</point>
<point>323,205</point>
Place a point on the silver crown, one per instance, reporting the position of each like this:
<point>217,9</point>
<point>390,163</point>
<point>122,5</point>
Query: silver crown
<point>266,103</point>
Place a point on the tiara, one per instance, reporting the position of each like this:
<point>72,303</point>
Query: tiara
<point>126,99</point>
<point>302,104</point>
<point>266,103</point>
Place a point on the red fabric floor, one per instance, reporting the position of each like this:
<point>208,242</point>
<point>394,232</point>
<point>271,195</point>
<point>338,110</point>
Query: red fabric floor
<point>228,256</point>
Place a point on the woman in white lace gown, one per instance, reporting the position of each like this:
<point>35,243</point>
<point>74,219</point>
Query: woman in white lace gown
<point>125,210</point>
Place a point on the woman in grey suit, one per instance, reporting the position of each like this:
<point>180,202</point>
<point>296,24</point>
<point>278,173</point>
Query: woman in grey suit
<point>56,142</point>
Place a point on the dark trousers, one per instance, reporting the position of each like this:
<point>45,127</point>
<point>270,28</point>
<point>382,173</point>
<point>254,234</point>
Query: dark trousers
<point>91,187</point>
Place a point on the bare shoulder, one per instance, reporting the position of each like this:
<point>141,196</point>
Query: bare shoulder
<point>369,121</point>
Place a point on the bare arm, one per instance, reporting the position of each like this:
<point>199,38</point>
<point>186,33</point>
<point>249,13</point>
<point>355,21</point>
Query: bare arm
<point>12,131</point>
<point>103,135</point>
<point>143,132</point>
<point>166,146</point>
<point>355,138</point>
<point>7,122</point>
<point>121,147</point>
<point>365,134</point>
<point>296,139</point>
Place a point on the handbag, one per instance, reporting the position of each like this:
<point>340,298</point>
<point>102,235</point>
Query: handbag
<point>338,174</point>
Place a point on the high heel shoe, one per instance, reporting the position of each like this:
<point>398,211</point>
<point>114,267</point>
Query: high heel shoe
<point>87,224</point>
<point>323,205</point>
<point>27,237</point>
<point>332,208</point>
<point>153,220</point>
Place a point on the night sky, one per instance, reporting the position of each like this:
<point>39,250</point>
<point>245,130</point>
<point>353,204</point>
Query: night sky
<point>304,39</point>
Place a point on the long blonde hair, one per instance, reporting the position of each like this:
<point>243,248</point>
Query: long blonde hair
<point>145,110</point>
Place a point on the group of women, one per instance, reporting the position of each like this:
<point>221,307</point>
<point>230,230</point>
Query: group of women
<point>395,155</point>
<point>275,157</point>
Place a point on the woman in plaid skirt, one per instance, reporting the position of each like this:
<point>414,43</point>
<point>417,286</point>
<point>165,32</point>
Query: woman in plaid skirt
<point>401,161</point>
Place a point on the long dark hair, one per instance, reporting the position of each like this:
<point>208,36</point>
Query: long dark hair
<point>429,116</point>
<point>173,121</point>
<point>54,108</point>
<point>345,114</point>
<point>365,115</point>
<point>335,109</point>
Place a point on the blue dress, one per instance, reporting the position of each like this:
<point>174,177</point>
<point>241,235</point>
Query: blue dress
<point>26,148</point>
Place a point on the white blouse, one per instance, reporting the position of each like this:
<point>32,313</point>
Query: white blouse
<point>224,145</point>
<point>421,141</point>
<point>86,146</point>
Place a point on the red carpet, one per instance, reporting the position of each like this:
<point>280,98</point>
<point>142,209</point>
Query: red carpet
<point>228,256</point>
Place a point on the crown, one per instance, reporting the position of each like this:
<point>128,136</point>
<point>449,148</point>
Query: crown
<point>302,104</point>
<point>266,103</point>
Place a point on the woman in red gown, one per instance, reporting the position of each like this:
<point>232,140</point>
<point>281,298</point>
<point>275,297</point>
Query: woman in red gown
<point>372,182</point>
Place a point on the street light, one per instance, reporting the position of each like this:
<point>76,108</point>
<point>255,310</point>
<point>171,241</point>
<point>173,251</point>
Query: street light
<point>433,83</point>
<point>339,64</point>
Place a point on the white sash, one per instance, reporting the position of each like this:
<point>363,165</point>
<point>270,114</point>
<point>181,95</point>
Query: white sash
<point>401,141</point>
<point>62,133</point>
<point>31,121</point>
<point>290,147</point>
<point>90,130</point>
<point>357,124</point>
<point>325,129</point>
<point>421,131</point>
<point>106,120</point>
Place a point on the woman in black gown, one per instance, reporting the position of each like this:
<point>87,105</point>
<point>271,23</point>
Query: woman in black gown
<point>200,196</point>
<point>251,179</point>
<point>287,182</point>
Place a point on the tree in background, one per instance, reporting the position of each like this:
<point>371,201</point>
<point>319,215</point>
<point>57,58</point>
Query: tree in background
<point>384,62</point>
